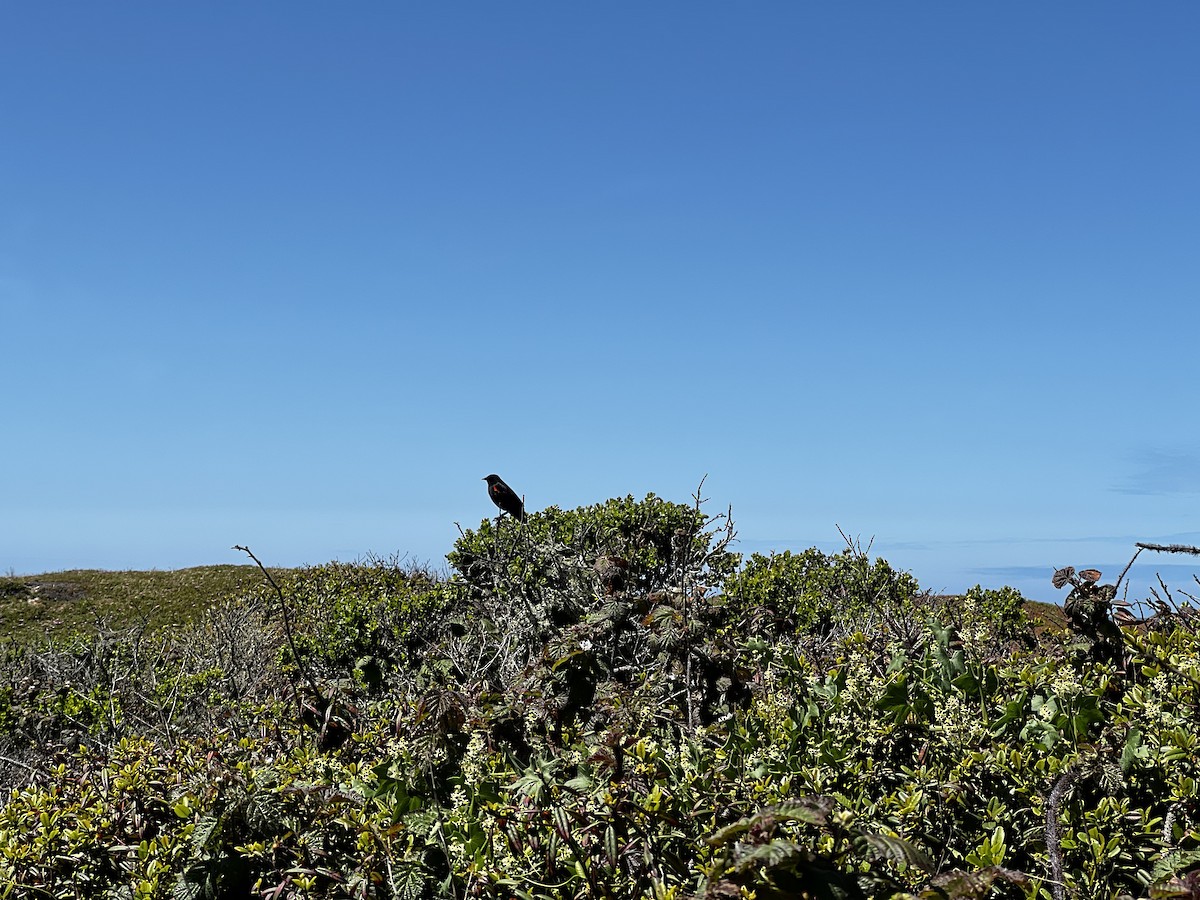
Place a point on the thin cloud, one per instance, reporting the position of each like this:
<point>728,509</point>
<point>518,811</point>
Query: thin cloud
<point>1171,573</point>
<point>1185,537</point>
<point>1050,542</point>
<point>1158,471</point>
<point>1013,573</point>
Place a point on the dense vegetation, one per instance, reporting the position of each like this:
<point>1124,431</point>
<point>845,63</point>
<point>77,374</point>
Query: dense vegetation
<point>69,602</point>
<point>605,702</point>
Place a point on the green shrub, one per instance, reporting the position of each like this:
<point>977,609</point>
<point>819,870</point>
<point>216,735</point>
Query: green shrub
<point>580,712</point>
<point>370,618</point>
<point>999,613</point>
<point>659,541</point>
<point>789,594</point>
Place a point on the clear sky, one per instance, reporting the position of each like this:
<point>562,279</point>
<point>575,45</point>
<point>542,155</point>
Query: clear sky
<point>297,275</point>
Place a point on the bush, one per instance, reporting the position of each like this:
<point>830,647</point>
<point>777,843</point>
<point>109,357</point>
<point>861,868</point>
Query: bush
<point>566,612</point>
<point>658,542</point>
<point>372,618</point>
<point>811,592</point>
<point>581,711</point>
<point>999,613</point>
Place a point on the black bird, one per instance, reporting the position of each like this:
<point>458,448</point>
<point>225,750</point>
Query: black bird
<point>505,497</point>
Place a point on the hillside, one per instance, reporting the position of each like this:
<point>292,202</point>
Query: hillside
<point>57,604</point>
<point>60,603</point>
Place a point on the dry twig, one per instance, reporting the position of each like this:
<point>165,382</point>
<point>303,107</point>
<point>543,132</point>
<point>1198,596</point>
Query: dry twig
<point>287,627</point>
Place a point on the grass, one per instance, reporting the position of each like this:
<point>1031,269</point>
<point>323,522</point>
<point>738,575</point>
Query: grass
<point>62,603</point>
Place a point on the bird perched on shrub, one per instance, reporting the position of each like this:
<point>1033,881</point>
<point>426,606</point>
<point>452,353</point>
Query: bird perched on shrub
<point>505,497</point>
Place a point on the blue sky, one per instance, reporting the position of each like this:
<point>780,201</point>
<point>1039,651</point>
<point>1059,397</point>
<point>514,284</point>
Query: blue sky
<point>297,276</point>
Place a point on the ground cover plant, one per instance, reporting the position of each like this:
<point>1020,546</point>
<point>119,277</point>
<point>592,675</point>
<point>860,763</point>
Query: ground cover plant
<point>606,702</point>
<point>66,602</point>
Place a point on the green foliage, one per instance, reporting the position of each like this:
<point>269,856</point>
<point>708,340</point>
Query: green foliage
<point>14,589</point>
<point>600,703</point>
<point>773,854</point>
<point>567,613</point>
<point>369,617</point>
<point>1000,612</point>
<point>657,539</point>
<point>62,604</point>
<point>788,594</point>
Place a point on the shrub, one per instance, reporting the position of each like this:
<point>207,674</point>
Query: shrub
<point>998,613</point>
<point>659,542</point>
<point>556,720</point>
<point>566,612</point>
<point>793,594</point>
<point>372,618</point>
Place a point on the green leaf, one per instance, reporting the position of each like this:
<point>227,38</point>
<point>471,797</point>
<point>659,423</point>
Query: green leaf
<point>774,854</point>
<point>562,824</point>
<point>1129,753</point>
<point>811,810</point>
<point>729,832</point>
<point>610,847</point>
<point>899,850</point>
<point>580,784</point>
<point>1174,863</point>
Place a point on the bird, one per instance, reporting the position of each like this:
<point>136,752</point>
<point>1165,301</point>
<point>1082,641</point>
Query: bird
<point>505,497</point>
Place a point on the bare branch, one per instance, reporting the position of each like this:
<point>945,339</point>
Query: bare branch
<point>1169,548</point>
<point>1128,565</point>
<point>17,762</point>
<point>1053,845</point>
<point>287,625</point>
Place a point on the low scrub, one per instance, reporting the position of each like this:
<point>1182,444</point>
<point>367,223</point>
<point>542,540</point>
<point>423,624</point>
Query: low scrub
<point>604,702</point>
